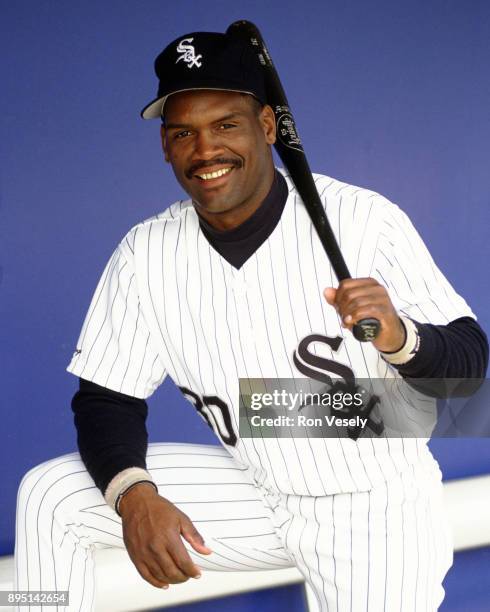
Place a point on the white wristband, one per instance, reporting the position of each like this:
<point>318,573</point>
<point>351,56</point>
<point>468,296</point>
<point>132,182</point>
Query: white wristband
<point>409,349</point>
<point>122,482</point>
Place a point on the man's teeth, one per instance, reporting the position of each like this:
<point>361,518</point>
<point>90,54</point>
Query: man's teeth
<point>213,175</point>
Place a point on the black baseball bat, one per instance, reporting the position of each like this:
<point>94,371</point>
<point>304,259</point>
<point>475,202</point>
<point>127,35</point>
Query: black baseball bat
<point>290,150</point>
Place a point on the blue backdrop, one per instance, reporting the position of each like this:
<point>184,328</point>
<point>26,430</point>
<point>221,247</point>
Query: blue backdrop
<point>390,96</point>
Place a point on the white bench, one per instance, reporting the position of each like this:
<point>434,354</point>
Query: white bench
<point>120,588</point>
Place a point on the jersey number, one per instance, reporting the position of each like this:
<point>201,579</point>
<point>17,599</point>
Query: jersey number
<point>216,414</point>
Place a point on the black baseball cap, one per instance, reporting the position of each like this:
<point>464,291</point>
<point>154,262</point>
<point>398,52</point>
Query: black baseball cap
<point>206,60</point>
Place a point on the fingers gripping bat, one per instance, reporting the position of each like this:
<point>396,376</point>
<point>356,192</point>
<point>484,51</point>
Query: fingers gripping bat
<point>290,150</point>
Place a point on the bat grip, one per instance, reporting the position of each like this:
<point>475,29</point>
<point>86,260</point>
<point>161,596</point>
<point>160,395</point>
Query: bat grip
<point>365,330</point>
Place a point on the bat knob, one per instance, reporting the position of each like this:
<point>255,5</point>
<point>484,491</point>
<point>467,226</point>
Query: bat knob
<point>366,330</point>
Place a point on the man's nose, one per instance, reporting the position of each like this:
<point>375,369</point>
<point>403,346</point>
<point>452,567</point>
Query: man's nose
<point>207,145</point>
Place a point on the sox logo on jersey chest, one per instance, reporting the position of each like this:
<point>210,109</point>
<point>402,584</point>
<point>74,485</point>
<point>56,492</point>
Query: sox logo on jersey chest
<point>216,412</point>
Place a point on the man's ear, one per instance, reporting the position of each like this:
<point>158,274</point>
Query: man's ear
<point>268,122</point>
<point>163,136</point>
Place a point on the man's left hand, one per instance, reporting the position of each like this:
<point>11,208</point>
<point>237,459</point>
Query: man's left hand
<point>364,298</point>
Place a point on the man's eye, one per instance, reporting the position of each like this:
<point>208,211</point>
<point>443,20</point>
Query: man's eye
<point>226,126</point>
<point>182,134</point>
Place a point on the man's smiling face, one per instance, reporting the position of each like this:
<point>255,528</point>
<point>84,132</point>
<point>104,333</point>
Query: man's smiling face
<point>218,143</point>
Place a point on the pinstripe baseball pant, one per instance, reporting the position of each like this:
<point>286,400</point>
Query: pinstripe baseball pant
<point>384,549</point>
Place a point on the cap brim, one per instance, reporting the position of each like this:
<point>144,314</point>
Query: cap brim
<point>154,109</point>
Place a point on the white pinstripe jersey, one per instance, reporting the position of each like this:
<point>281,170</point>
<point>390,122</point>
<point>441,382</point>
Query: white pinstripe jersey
<point>168,303</point>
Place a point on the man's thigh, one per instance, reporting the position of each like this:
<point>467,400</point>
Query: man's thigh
<point>59,508</point>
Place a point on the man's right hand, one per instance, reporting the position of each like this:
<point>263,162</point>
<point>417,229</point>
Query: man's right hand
<point>153,529</point>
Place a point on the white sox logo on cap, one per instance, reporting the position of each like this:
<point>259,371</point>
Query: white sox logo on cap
<point>188,53</point>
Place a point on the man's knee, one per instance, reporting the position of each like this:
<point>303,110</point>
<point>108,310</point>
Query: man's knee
<point>49,480</point>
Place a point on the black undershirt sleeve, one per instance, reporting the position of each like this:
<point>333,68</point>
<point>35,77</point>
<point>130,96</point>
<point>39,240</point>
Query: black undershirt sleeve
<point>111,431</point>
<point>454,357</point>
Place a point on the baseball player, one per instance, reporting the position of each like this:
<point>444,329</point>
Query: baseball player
<point>228,284</point>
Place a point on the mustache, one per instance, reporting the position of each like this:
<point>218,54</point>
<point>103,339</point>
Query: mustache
<point>225,161</point>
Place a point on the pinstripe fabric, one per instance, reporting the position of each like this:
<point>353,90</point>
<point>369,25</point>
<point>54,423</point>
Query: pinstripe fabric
<point>381,550</point>
<point>385,549</point>
<point>362,520</point>
<point>62,517</point>
<point>168,303</point>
